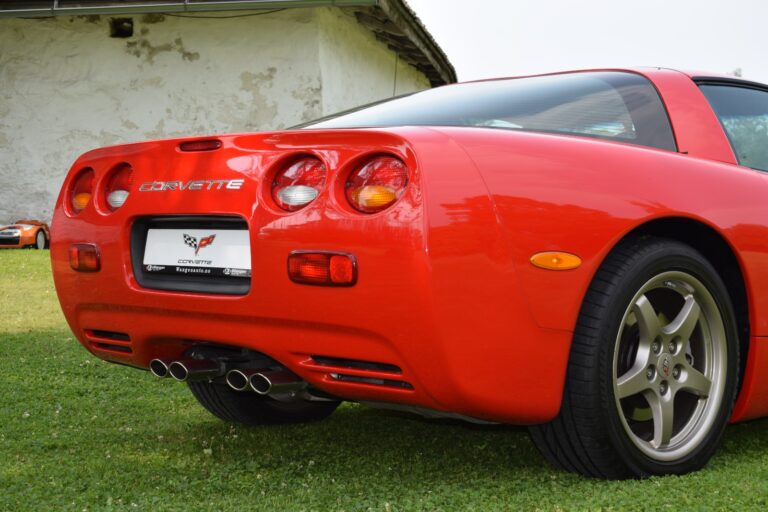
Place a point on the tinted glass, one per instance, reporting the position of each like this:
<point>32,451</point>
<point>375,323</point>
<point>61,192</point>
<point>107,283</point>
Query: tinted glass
<point>744,115</point>
<point>615,106</point>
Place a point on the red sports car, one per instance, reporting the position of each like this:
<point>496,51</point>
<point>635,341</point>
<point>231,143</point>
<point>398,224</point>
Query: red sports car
<point>24,233</point>
<point>585,253</point>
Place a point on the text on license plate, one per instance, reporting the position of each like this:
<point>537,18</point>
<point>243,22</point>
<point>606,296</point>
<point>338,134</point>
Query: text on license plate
<point>198,252</point>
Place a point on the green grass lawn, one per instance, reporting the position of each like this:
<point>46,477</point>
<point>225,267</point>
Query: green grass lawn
<point>80,434</point>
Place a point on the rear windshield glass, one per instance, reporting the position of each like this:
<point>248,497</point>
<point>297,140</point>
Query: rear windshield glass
<point>608,105</point>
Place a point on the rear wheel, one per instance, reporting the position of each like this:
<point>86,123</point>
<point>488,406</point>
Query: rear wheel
<point>253,409</point>
<point>653,368</point>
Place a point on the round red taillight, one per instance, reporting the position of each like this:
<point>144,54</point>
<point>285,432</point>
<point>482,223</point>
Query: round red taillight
<point>118,186</point>
<point>299,184</point>
<point>82,190</point>
<point>377,184</point>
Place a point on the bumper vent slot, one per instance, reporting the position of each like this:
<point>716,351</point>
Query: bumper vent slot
<point>113,347</point>
<point>389,383</point>
<point>356,365</point>
<point>109,340</point>
<point>109,335</point>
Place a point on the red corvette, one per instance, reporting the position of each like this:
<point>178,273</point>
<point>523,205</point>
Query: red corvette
<point>585,253</point>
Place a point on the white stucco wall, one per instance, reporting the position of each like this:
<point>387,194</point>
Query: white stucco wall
<point>67,87</point>
<point>357,68</point>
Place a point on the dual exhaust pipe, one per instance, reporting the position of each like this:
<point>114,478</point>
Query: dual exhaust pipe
<point>261,381</point>
<point>186,370</point>
<point>265,382</point>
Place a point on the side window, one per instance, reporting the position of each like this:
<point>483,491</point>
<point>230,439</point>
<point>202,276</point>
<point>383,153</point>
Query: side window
<point>744,115</point>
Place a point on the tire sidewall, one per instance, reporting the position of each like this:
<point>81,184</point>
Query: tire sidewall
<point>669,256</point>
<point>37,239</point>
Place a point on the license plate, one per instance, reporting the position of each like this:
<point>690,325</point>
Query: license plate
<point>198,252</point>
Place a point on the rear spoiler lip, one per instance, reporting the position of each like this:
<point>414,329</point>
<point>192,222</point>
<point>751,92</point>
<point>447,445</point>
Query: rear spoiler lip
<point>286,138</point>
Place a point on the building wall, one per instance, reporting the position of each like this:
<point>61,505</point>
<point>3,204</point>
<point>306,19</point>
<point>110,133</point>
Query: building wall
<point>67,87</point>
<point>356,68</point>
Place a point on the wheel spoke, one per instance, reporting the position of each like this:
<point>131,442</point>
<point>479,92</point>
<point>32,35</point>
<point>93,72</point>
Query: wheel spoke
<point>647,320</point>
<point>685,322</point>
<point>663,411</point>
<point>633,382</point>
<point>696,382</point>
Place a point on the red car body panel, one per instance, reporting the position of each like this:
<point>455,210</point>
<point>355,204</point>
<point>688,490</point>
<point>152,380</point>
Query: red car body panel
<point>445,287</point>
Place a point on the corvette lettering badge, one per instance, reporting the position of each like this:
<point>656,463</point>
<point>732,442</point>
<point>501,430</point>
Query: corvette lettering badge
<point>160,186</point>
<point>197,245</point>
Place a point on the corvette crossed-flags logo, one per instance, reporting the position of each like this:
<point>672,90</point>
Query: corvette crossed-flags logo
<point>197,245</point>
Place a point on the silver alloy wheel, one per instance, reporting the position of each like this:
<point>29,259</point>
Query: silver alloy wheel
<point>669,366</point>
<point>40,240</point>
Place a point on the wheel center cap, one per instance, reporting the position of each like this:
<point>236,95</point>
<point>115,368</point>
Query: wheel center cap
<point>665,364</point>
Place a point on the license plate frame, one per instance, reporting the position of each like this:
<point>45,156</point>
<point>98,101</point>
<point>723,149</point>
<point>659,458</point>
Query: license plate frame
<point>214,282</point>
<point>198,252</point>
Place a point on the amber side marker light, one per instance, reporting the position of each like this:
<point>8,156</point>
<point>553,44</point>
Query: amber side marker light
<point>84,257</point>
<point>322,268</point>
<point>556,260</point>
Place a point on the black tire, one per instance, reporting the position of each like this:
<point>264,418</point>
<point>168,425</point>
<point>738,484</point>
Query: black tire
<point>599,435</point>
<point>254,409</point>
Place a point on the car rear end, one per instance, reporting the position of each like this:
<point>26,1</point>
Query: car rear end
<point>167,247</point>
<point>108,257</point>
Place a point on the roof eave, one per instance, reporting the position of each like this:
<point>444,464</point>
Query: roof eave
<point>402,16</point>
<point>175,6</point>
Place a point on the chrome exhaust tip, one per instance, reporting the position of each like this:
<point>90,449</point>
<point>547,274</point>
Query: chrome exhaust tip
<point>158,368</point>
<point>260,383</point>
<point>275,382</point>
<point>178,371</point>
<point>239,380</point>
<point>190,370</point>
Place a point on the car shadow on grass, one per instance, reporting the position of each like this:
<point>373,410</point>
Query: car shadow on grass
<point>745,441</point>
<point>360,439</point>
<point>357,440</point>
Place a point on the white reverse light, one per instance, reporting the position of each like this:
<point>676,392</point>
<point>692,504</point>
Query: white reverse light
<point>117,198</point>
<point>297,195</point>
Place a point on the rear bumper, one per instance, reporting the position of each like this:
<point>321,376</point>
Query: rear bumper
<point>519,384</point>
<point>435,301</point>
